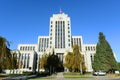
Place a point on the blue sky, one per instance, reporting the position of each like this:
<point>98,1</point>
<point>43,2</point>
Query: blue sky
<point>22,21</point>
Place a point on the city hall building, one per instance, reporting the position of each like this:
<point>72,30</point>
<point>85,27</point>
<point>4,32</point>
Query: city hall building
<point>59,39</point>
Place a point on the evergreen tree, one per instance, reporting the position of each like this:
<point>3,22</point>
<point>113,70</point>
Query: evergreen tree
<point>119,66</point>
<point>50,62</point>
<point>104,58</point>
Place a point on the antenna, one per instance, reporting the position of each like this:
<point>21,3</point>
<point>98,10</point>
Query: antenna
<point>61,11</point>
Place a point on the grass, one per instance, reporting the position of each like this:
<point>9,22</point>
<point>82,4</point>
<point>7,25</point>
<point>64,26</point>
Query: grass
<point>75,75</point>
<point>114,75</point>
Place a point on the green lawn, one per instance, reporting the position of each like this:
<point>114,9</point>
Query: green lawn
<point>76,75</point>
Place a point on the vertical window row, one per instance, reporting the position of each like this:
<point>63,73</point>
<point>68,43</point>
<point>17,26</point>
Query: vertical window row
<point>43,44</point>
<point>60,34</point>
<point>24,59</point>
<point>77,41</point>
<point>56,39</point>
<point>63,34</point>
<point>80,44</point>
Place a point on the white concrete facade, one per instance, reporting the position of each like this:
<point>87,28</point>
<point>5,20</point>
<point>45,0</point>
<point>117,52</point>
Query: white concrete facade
<point>59,39</point>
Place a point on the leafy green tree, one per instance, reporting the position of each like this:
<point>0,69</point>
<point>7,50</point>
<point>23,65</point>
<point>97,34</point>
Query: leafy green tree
<point>74,59</point>
<point>5,54</point>
<point>43,61</point>
<point>14,61</point>
<point>69,61</point>
<point>104,58</point>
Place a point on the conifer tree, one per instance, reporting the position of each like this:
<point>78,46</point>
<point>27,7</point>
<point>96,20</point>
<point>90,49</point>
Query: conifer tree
<point>104,58</point>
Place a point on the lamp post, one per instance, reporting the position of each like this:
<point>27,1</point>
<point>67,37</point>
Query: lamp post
<point>81,67</point>
<point>38,63</point>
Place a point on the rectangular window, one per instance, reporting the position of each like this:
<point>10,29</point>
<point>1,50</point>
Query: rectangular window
<point>51,22</point>
<point>20,48</point>
<point>68,40</point>
<point>86,48</point>
<point>69,44</point>
<point>33,48</point>
<point>68,35</point>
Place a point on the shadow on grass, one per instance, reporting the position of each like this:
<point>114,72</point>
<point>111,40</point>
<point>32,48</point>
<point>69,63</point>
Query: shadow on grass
<point>44,76</point>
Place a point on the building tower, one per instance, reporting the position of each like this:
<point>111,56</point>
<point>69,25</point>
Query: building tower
<point>60,31</point>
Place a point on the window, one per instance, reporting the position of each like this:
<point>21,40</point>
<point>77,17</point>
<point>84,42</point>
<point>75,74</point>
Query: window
<point>51,22</point>
<point>94,48</point>
<point>86,48</point>
<point>68,35</point>
<point>23,48</point>
<point>41,50</point>
<point>68,27</point>
<point>50,42</point>
<point>50,38</point>
<point>33,48</point>
<point>89,48</point>
<point>69,44</point>
<point>51,34</point>
<point>63,23</point>
<point>68,40</point>
<point>28,48</point>
<point>20,48</point>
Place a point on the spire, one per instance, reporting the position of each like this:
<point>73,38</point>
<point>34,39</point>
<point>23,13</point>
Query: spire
<point>61,11</point>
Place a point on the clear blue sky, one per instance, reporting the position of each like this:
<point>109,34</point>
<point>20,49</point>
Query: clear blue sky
<point>22,21</point>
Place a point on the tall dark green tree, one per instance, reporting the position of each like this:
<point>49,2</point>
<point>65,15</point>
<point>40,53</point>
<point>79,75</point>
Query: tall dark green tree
<point>52,63</point>
<point>119,66</point>
<point>104,58</point>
